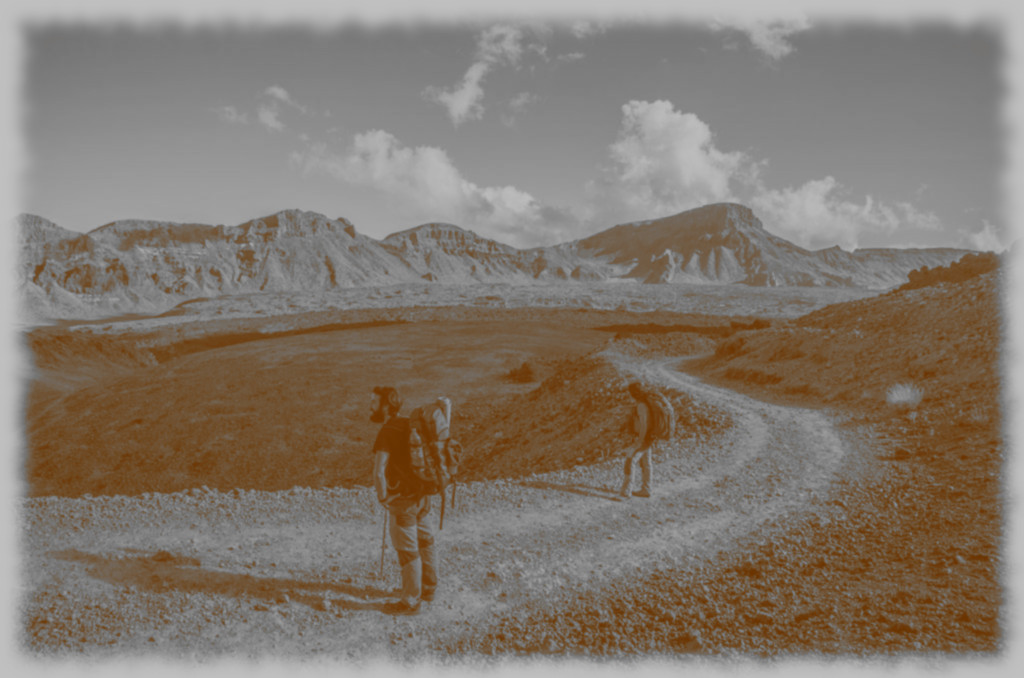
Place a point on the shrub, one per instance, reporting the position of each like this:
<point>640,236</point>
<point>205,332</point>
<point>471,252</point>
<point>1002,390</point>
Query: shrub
<point>903,395</point>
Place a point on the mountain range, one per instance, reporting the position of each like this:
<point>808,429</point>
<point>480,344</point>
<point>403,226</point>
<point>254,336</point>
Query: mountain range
<point>136,266</point>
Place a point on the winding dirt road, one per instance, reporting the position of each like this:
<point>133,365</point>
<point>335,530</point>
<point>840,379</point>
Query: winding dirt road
<point>295,574</point>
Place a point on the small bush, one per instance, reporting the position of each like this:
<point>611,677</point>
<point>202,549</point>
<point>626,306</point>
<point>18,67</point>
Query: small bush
<point>522,374</point>
<point>903,395</point>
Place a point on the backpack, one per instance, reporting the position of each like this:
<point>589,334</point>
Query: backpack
<point>433,454</point>
<point>662,420</point>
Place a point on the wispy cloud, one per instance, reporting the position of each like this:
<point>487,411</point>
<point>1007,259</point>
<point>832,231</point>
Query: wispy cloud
<point>268,110</point>
<point>520,101</point>
<point>499,45</point>
<point>586,29</point>
<point>427,182</point>
<point>570,57</point>
<point>462,102</point>
<point>768,36</point>
<point>518,105</point>
<point>281,94</point>
<point>230,114</point>
<point>269,116</point>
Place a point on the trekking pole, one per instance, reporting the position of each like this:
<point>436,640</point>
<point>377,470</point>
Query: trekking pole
<point>444,497</point>
<point>383,543</point>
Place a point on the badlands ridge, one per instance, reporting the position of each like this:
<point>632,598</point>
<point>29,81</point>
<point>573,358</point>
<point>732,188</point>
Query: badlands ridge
<point>133,266</point>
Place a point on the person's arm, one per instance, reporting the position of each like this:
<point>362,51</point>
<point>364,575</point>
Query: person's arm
<point>380,464</point>
<point>643,421</point>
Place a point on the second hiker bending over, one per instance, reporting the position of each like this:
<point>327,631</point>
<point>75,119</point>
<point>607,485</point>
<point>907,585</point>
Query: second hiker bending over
<point>652,420</point>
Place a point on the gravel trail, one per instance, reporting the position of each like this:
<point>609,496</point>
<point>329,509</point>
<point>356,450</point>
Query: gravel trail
<point>202,574</point>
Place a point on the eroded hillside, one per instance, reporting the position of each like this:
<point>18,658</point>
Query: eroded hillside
<point>135,266</point>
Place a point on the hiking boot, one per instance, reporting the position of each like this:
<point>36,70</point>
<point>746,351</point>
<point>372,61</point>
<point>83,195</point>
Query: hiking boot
<point>403,608</point>
<point>428,595</point>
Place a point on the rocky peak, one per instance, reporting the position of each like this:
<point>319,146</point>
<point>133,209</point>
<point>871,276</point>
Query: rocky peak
<point>445,237</point>
<point>296,222</point>
<point>34,229</point>
<point>727,225</point>
<point>738,215</point>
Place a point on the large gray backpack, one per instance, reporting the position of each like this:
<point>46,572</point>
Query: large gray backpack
<point>433,454</point>
<point>662,419</point>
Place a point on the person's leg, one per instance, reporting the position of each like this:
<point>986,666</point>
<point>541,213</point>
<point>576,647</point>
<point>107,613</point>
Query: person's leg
<point>645,472</point>
<point>627,483</point>
<point>404,539</point>
<point>425,543</point>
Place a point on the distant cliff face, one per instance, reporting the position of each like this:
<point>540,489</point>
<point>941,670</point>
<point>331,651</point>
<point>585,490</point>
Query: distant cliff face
<point>447,253</point>
<point>726,243</point>
<point>148,266</point>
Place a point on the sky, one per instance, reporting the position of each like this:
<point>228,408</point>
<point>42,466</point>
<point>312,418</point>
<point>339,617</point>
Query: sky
<point>528,129</point>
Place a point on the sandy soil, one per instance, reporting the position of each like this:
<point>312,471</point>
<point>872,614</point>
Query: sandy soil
<point>295,573</point>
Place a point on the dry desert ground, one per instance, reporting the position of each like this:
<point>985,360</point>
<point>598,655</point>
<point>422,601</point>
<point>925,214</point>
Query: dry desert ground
<point>198,485</point>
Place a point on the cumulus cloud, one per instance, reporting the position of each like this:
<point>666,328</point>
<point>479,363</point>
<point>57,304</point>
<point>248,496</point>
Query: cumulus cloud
<point>662,161</point>
<point>426,180</point>
<point>817,215</point>
<point>665,161</point>
<point>500,45</point>
<point>230,114</point>
<point>771,36</point>
<point>988,239</point>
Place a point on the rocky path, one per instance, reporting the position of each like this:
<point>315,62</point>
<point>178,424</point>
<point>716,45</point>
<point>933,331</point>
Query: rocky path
<point>296,574</point>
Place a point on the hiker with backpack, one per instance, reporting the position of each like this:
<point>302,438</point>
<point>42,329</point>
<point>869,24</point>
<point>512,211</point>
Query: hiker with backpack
<point>414,458</point>
<point>652,420</point>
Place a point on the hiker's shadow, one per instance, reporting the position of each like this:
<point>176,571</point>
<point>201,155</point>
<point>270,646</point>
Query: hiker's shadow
<point>585,490</point>
<point>162,572</point>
